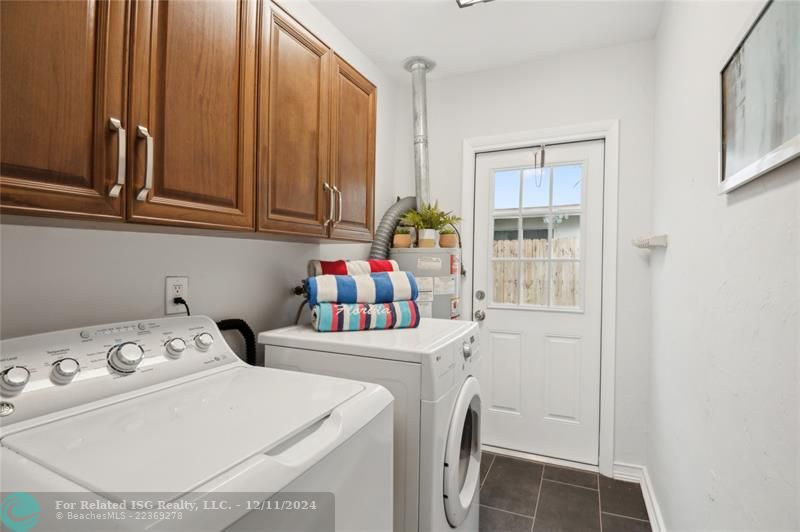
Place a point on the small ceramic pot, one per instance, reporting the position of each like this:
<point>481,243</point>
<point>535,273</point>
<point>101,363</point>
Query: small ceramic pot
<point>401,241</point>
<point>448,240</point>
<point>427,238</point>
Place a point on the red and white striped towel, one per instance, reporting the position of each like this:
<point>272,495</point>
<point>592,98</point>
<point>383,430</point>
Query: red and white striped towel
<point>350,267</point>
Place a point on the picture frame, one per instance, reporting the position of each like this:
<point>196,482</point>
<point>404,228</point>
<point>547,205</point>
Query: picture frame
<point>760,96</point>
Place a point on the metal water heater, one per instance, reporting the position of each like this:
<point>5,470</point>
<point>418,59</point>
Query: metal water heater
<point>438,273</point>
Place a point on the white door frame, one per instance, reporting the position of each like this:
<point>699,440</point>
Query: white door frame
<point>608,131</point>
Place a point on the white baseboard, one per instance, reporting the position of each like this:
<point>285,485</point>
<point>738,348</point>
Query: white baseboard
<point>637,473</point>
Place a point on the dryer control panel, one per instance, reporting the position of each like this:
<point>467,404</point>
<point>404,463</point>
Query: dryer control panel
<point>449,365</point>
<point>52,371</point>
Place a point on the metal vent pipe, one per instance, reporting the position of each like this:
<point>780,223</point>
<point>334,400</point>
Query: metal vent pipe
<point>419,68</point>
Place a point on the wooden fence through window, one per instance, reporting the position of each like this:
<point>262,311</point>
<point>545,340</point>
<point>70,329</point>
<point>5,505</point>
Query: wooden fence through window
<point>566,274</point>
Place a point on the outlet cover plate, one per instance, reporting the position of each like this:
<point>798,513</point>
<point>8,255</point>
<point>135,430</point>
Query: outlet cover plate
<point>175,287</point>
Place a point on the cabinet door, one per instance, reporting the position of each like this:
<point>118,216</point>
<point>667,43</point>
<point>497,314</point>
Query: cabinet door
<point>353,152</point>
<point>294,95</point>
<point>62,78</point>
<point>194,94</point>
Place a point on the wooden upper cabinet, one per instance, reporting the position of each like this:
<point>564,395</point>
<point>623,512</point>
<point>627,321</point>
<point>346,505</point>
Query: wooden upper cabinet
<point>193,93</point>
<point>62,78</point>
<point>208,113</point>
<point>294,115</point>
<point>353,108</point>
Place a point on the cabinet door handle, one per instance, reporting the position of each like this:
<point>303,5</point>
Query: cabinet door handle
<point>327,188</point>
<point>115,125</point>
<point>339,209</point>
<point>142,133</point>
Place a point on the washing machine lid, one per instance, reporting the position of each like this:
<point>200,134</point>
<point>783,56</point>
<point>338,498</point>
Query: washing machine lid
<point>176,439</point>
<point>405,345</point>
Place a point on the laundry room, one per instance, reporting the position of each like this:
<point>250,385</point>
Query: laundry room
<point>400,265</point>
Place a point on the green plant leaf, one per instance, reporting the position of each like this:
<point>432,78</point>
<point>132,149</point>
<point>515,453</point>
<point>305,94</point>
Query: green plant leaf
<point>430,216</point>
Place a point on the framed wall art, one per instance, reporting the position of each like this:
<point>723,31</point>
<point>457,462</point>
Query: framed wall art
<point>760,96</point>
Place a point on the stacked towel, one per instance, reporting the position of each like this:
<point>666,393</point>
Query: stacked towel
<point>384,287</point>
<point>350,267</point>
<point>329,317</point>
<point>361,295</point>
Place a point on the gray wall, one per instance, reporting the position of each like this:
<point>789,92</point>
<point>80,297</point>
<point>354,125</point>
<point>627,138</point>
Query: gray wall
<point>724,434</point>
<point>57,277</point>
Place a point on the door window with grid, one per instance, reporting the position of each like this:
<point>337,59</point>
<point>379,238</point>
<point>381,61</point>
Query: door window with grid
<point>536,246</point>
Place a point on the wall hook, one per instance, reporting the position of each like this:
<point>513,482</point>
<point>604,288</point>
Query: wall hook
<point>655,241</point>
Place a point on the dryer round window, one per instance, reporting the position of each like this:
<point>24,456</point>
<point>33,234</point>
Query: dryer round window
<point>463,454</point>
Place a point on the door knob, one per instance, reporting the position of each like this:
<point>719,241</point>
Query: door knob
<point>480,315</point>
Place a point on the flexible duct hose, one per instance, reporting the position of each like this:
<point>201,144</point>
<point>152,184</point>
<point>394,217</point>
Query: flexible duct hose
<point>385,231</point>
<point>247,334</point>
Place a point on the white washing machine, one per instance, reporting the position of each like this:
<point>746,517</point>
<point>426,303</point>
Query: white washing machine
<point>147,420</point>
<point>431,371</point>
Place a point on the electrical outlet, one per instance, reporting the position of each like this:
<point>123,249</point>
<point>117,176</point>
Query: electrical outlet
<point>175,287</point>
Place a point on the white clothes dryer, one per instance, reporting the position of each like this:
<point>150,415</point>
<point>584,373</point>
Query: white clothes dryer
<point>432,373</point>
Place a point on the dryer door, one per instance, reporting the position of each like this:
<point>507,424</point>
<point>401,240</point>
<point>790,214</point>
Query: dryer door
<point>463,453</point>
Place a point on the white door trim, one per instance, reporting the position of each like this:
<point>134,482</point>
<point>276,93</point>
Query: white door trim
<point>609,131</point>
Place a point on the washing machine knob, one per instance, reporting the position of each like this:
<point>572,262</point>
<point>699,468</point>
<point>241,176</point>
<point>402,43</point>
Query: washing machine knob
<point>204,341</point>
<point>175,347</point>
<point>466,350</point>
<point>65,370</point>
<point>125,357</point>
<point>14,379</point>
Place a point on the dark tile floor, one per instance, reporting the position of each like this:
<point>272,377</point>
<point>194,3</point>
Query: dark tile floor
<point>520,495</point>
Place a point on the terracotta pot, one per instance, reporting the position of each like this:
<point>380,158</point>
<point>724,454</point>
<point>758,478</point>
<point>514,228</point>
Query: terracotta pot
<point>448,240</point>
<point>401,241</point>
<point>427,238</point>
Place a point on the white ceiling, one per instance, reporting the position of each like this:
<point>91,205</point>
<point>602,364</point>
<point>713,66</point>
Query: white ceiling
<point>485,36</point>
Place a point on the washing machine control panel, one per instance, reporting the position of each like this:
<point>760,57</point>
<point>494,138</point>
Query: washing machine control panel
<point>96,362</point>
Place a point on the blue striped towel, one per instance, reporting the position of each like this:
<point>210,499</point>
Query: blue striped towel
<point>330,317</point>
<point>383,287</point>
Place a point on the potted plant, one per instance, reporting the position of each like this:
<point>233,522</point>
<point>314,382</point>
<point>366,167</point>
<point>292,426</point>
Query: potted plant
<point>402,237</point>
<point>448,237</point>
<point>424,220</point>
<point>428,220</point>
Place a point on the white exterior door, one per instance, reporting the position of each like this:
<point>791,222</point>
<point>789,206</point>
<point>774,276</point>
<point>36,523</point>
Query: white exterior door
<point>537,286</point>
